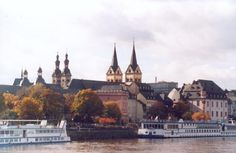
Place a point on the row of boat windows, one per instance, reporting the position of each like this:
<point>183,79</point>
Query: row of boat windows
<point>49,139</point>
<point>36,139</point>
<point>201,131</point>
<point>175,126</point>
<point>9,140</point>
<point>48,131</point>
<point>6,132</point>
<point>231,128</point>
<point>153,126</point>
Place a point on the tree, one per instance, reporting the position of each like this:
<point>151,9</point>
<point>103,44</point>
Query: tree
<point>53,105</point>
<point>159,110</point>
<point>112,110</point>
<point>29,108</point>
<point>10,100</point>
<point>2,104</point>
<point>86,106</point>
<point>200,116</point>
<point>180,109</point>
<point>53,102</point>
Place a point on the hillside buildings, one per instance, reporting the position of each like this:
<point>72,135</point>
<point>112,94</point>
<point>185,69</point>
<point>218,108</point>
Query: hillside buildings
<point>133,96</point>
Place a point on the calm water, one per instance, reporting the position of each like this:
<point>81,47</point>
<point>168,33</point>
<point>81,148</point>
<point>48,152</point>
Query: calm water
<point>193,145</point>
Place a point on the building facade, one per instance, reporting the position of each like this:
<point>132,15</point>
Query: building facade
<point>206,96</point>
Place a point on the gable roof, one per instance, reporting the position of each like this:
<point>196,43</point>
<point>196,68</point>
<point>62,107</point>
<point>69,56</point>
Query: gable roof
<point>9,89</point>
<point>79,84</point>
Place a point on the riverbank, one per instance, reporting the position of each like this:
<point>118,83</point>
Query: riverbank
<point>77,134</point>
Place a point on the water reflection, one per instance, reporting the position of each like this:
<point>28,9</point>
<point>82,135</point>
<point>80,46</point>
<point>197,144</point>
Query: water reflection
<point>186,145</point>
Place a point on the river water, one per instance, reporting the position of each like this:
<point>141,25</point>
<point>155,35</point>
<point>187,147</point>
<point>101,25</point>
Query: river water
<point>184,145</point>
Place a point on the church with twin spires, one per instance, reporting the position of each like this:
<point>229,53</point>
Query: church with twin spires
<point>63,78</point>
<point>132,74</point>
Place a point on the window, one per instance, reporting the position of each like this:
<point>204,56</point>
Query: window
<point>221,104</point>
<point>212,104</point>
<point>221,114</point>
<point>212,113</point>
<point>216,113</point>
<point>198,104</point>
<point>207,103</point>
<point>217,104</point>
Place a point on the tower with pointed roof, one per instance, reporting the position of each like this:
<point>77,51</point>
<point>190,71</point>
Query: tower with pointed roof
<point>114,73</point>
<point>40,77</point>
<point>66,75</point>
<point>56,76</point>
<point>133,72</point>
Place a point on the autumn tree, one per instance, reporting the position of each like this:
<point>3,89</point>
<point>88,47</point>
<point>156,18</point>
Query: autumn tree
<point>179,109</point>
<point>69,98</point>
<point>10,100</point>
<point>158,109</point>
<point>53,102</point>
<point>2,104</point>
<point>29,108</point>
<point>53,105</point>
<point>112,110</point>
<point>200,116</point>
<point>86,106</point>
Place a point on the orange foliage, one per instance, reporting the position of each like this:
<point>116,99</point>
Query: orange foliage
<point>200,116</point>
<point>106,120</point>
<point>10,100</point>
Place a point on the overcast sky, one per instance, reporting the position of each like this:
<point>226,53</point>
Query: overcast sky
<point>176,40</point>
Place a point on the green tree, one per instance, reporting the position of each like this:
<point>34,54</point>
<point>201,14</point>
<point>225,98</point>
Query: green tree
<point>86,106</point>
<point>112,110</point>
<point>53,105</point>
<point>158,109</point>
<point>29,108</point>
<point>179,109</point>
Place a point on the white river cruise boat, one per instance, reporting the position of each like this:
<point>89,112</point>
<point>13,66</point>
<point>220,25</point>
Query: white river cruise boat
<point>31,131</point>
<point>183,129</point>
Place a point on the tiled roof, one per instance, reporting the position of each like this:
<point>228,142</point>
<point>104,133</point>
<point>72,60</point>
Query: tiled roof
<point>9,88</point>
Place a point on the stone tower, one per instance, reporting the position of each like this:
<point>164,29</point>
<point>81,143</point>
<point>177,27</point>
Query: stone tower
<point>114,73</point>
<point>133,72</point>
<point>40,76</point>
<point>56,76</point>
<point>66,75</point>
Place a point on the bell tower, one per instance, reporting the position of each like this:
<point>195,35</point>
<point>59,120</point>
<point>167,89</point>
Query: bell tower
<point>114,73</point>
<point>56,76</point>
<point>66,75</point>
<point>133,72</point>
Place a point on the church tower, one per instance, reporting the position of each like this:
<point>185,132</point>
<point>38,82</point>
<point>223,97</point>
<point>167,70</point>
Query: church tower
<point>66,75</point>
<point>114,73</point>
<point>40,77</point>
<point>133,72</point>
<point>56,76</point>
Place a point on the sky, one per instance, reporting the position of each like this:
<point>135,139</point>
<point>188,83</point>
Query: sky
<point>176,40</point>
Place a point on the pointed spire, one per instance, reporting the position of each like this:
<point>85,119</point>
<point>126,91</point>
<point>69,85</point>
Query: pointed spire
<point>133,61</point>
<point>114,63</point>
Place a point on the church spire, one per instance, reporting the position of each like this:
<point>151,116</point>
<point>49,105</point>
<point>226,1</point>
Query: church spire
<point>114,63</point>
<point>133,61</point>
<point>114,73</point>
